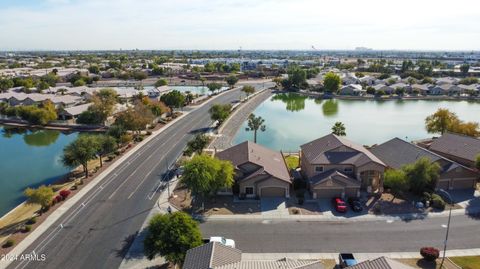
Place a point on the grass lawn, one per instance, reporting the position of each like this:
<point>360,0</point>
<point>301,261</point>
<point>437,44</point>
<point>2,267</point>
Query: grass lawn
<point>469,262</point>
<point>292,161</point>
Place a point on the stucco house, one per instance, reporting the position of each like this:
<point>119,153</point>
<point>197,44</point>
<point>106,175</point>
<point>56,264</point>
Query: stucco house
<point>214,255</point>
<point>460,148</point>
<point>397,153</point>
<point>337,167</point>
<point>352,89</point>
<point>259,171</point>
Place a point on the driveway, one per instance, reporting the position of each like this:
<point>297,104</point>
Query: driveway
<point>273,206</point>
<point>326,207</point>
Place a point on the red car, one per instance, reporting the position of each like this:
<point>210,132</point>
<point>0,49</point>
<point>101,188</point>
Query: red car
<point>339,204</point>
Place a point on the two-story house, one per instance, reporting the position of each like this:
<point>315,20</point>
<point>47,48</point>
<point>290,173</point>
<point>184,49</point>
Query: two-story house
<point>259,171</point>
<point>337,167</point>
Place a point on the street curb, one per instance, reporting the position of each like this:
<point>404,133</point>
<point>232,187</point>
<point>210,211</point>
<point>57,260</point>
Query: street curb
<point>359,256</point>
<point>323,218</point>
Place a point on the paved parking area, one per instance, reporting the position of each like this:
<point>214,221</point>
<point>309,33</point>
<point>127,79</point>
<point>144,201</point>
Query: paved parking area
<point>273,206</point>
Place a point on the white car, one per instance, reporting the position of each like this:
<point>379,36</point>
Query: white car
<point>223,240</point>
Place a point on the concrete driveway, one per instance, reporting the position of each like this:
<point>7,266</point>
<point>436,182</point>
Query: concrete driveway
<point>273,206</point>
<point>326,207</point>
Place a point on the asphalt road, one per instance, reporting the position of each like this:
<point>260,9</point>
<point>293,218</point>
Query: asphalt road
<point>95,235</point>
<point>330,237</point>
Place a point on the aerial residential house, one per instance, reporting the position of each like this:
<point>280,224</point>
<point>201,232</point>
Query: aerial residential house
<point>460,148</point>
<point>397,153</point>
<point>352,89</point>
<point>259,171</point>
<point>446,80</point>
<point>72,113</point>
<point>348,79</point>
<point>442,89</point>
<point>385,88</point>
<point>400,85</point>
<point>336,167</point>
<point>422,89</point>
<point>215,255</point>
<point>468,89</point>
<point>368,80</point>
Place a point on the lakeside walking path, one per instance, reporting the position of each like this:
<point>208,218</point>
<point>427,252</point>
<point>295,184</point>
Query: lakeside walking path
<point>227,131</point>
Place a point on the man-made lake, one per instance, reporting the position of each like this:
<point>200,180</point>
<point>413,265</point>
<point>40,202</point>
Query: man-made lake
<point>292,120</point>
<point>28,159</point>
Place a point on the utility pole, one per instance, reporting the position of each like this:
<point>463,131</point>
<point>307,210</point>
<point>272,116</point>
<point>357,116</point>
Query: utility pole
<point>448,225</point>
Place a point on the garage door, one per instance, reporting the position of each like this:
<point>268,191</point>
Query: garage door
<point>329,193</point>
<point>443,184</point>
<point>463,184</point>
<point>351,192</point>
<point>272,192</point>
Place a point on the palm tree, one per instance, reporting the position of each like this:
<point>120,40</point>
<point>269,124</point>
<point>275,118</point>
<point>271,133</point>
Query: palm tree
<point>255,124</point>
<point>339,129</point>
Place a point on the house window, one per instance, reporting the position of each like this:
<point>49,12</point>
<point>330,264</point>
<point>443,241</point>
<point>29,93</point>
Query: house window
<point>318,168</point>
<point>348,169</point>
<point>249,190</point>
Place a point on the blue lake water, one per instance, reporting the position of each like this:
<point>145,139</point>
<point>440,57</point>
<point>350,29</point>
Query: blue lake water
<point>292,120</point>
<point>29,159</point>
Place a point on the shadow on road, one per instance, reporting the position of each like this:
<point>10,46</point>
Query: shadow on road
<point>473,208</point>
<point>127,242</point>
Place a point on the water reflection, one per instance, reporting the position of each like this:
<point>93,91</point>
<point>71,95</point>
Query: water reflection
<point>294,102</point>
<point>36,138</point>
<point>330,108</point>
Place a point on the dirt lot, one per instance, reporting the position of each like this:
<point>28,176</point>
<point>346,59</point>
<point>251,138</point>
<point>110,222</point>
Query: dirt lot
<point>221,205</point>
<point>404,205</point>
<point>305,209</point>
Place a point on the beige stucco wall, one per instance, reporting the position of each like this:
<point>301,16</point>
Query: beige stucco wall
<point>261,181</point>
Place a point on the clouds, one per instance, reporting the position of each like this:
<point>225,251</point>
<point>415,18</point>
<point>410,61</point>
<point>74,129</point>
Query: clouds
<point>216,24</point>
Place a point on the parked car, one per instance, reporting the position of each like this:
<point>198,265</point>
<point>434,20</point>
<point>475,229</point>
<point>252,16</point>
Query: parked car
<point>355,204</point>
<point>346,260</point>
<point>339,205</point>
<point>223,241</point>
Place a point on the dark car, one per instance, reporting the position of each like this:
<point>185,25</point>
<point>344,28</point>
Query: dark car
<point>355,204</point>
<point>339,205</point>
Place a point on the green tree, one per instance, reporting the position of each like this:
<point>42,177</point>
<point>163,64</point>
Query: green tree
<point>6,84</point>
<point>255,124</point>
<point>173,99</point>
<point>104,102</point>
<point>339,129</point>
<point>440,121</point>
<point>205,175</point>
<point>80,152</point>
<point>42,196</point>
<point>248,89</point>
<point>397,181</point>
<point>477,162</point>
<point>422,175</point>
<point>106,145</point>
<point>297,77</point>
<point>42,85</point>
<point>331,82</point>
<point>231,80</point>
<point>161,82</point>
<point>214,86</point>
<point>135,119</point>
<point>219,112</point>
<point>197,144</point>
<point>464,68</point>
<point>79,82</point>
<point>94,69</point>
<point>170,236</point>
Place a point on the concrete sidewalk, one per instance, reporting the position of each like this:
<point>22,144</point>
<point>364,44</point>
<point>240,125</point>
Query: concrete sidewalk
<point>331,217</point>
<point>359,256</point>
<point>135,259</point>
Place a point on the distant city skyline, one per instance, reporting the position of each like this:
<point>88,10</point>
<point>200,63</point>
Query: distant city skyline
<point>231,24</point>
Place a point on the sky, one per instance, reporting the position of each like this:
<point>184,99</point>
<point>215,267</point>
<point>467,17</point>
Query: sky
<point>231,24</point>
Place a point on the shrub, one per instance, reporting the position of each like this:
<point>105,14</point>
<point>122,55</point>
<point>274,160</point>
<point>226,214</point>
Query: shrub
<point>31,221</point>
<point>377,209</point>
<point>9,243</point>
<point>429,253</point>
<point>149,132</point>
<point>27,228</point>
<point>58,199</point>
<point>65,193</point>
<point>299,183</point>
<point>438,202</point>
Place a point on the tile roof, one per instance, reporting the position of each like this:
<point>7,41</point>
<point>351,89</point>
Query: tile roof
<point>318,152</point>
<point>280,264</point>
<point>211,255</point>
<point>335,176</point>
<point>271,161</point>
<point>380,263</point>
<point>397,152</point>
<point>462,146</point>
<point>77,110</point>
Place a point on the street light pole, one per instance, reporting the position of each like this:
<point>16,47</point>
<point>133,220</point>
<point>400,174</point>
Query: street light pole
<point>448,225</point>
